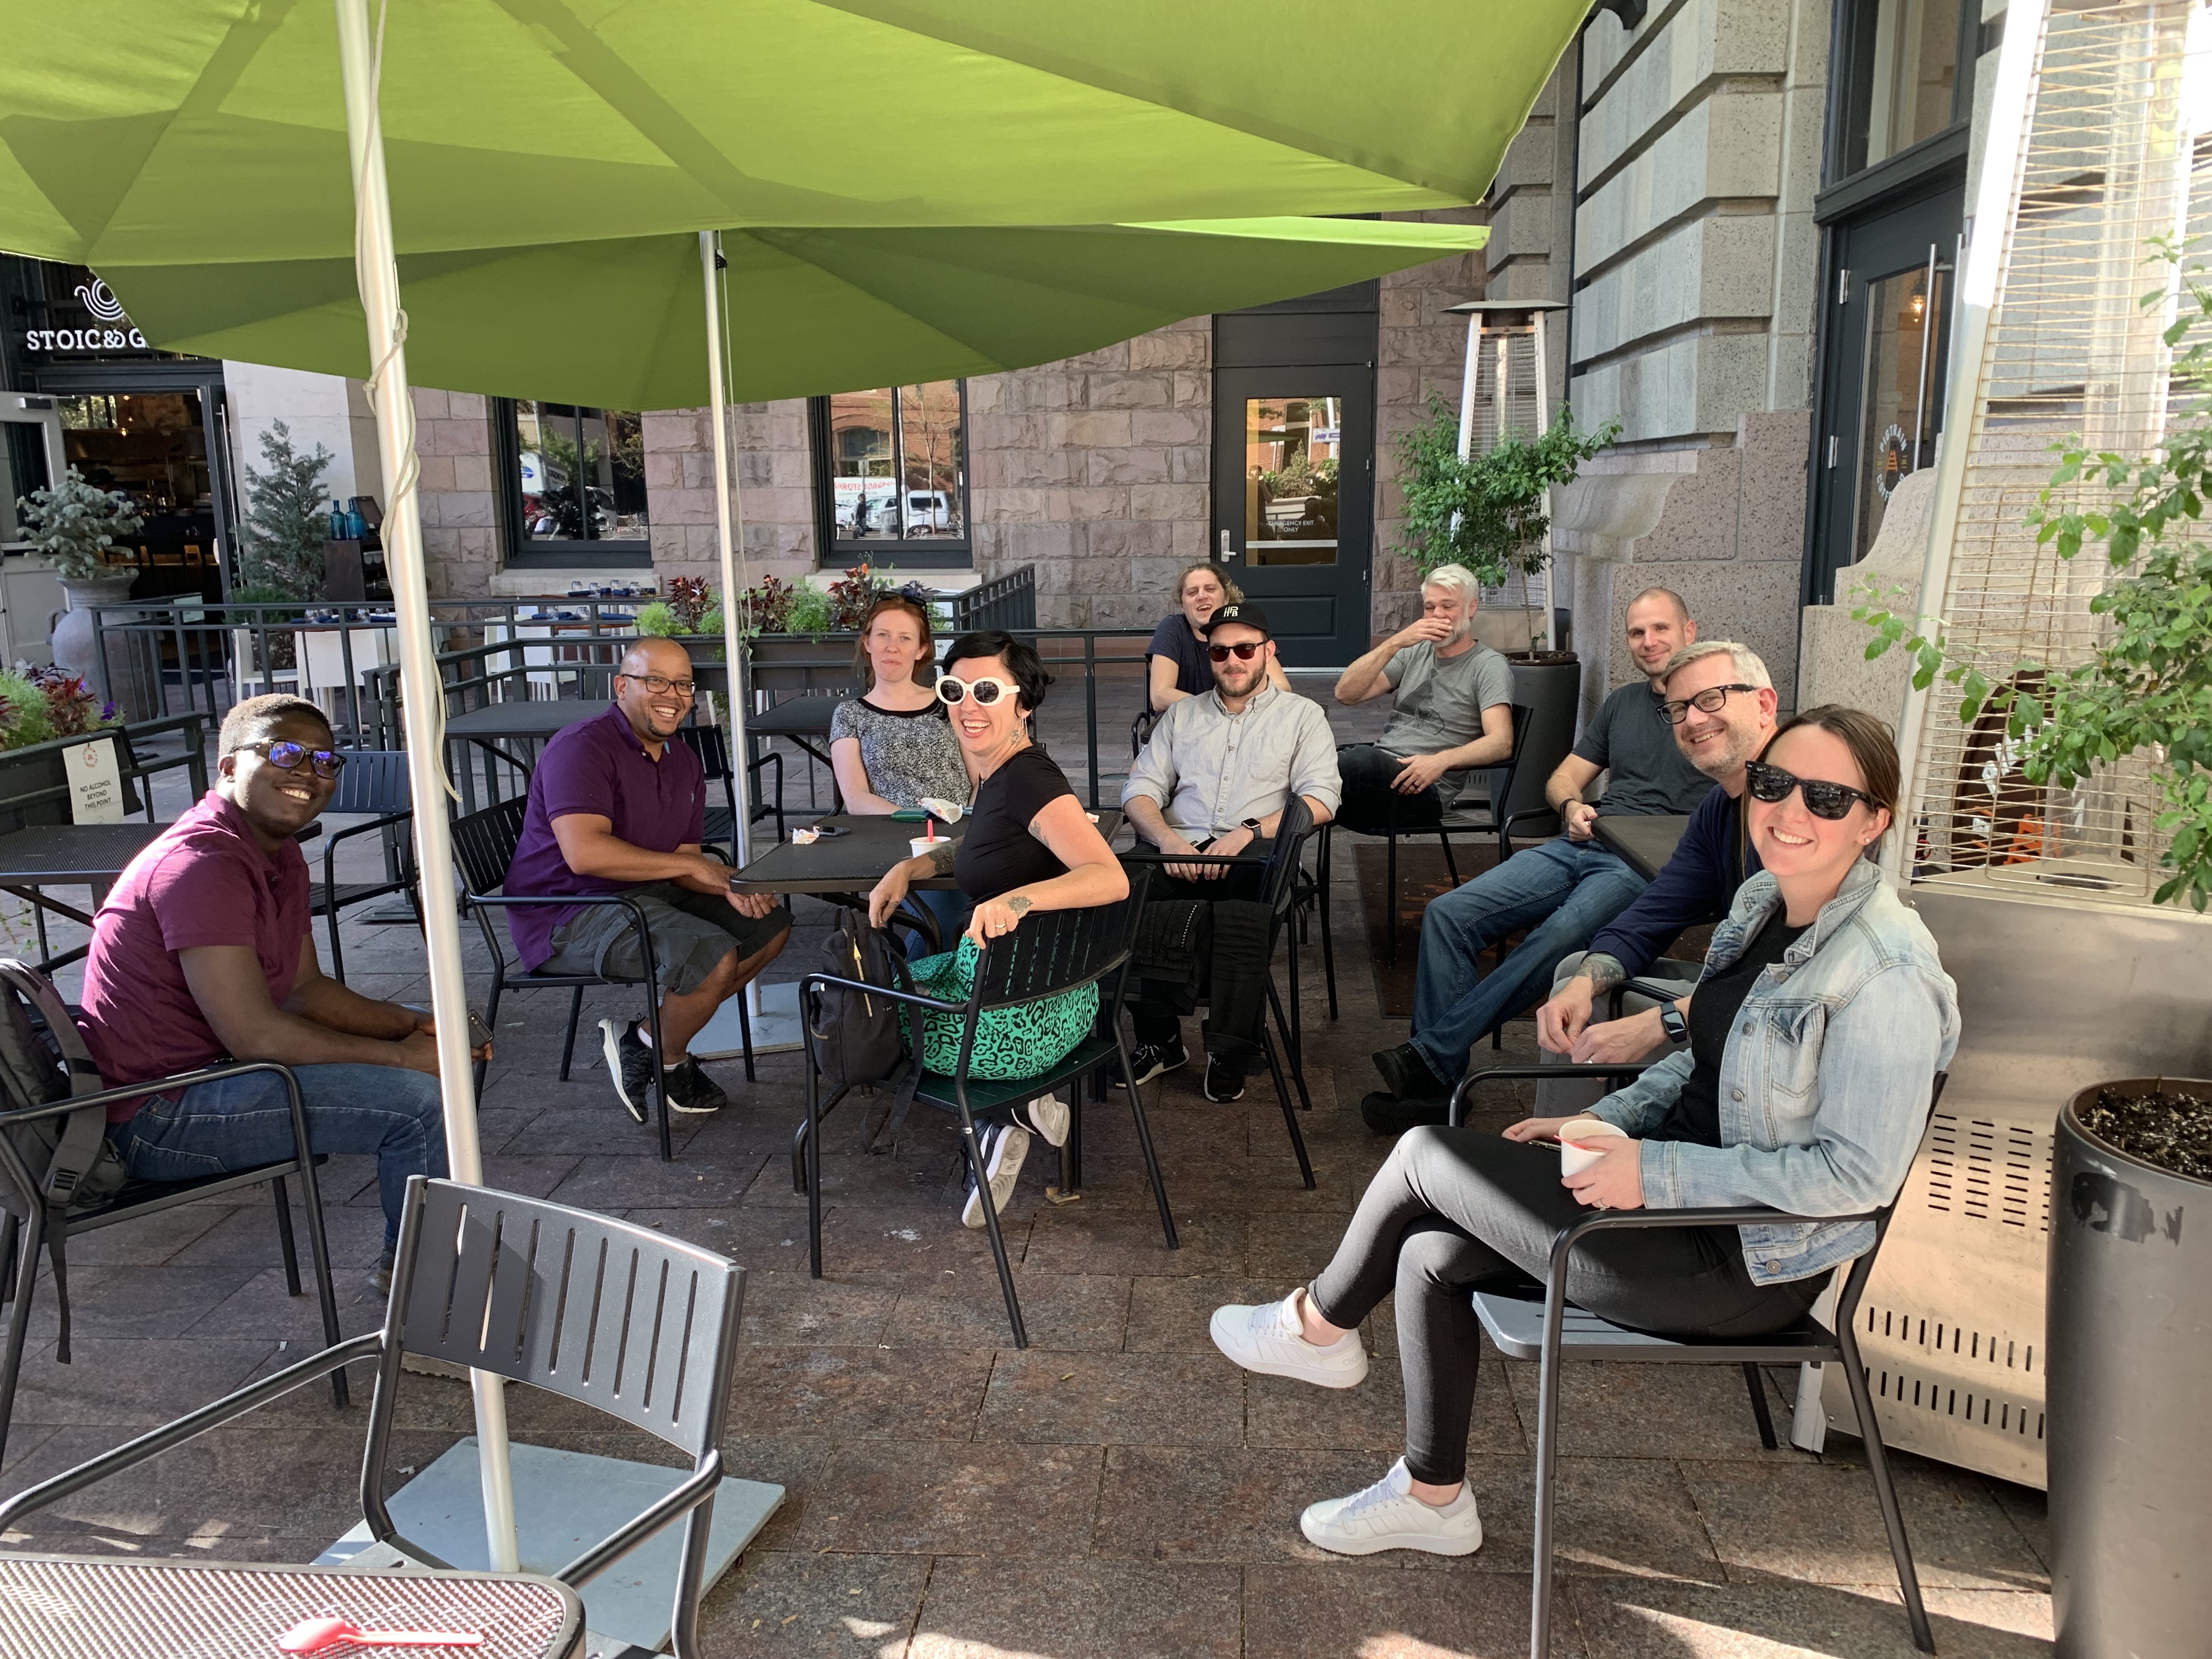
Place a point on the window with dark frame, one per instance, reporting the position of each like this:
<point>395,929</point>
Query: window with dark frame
<point>571,484</point>
<point>890,468</point>
<point>1907,75</point>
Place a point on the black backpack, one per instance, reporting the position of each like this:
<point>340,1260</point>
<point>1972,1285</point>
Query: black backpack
<point>853,1039</point>
<point>51,1166</point>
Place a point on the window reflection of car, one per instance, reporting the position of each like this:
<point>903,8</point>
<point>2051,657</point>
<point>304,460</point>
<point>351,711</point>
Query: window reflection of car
<point>928,512</point>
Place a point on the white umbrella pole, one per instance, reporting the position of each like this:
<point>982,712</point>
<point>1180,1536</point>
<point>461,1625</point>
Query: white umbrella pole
<point>726,545</point>
<point>422,695</point>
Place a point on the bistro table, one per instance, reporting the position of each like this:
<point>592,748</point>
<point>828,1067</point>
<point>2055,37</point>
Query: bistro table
<point>857,861</point>
<point>68,855</point>
<point>523,719</point>
<point>1646,843</point>
<point>110,1608</point>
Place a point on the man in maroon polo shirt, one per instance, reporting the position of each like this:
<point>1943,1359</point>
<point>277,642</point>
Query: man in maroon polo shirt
<point>204,950</point>
<point>617,806</point>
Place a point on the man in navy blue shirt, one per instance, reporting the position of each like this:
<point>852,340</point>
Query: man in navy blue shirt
<point>1723,704</point>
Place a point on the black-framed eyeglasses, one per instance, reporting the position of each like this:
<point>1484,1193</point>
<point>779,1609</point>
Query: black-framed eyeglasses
<point>1243,650</point>
<point>659,683</point>
<point>286,755</point>
<point>1707,702</point>
<point>1823,800</point>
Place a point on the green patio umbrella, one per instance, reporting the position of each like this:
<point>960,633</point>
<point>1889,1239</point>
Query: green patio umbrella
<point>618,324</point>
<point>212,130</point>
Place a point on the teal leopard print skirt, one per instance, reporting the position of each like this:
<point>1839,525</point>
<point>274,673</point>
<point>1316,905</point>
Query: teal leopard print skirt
<point>1010,1042</point>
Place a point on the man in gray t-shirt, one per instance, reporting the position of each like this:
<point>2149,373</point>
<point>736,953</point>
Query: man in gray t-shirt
<point>1453,715</point>
<point>1562,892</point>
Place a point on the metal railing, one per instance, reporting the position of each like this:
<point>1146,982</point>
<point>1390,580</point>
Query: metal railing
<point>1008,602</point>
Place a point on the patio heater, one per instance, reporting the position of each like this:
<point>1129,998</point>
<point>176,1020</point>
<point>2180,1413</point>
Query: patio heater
<point>1504,391</point>
<point>2039,898</point>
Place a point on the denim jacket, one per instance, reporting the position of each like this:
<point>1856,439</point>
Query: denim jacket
<point>1824,1087</point>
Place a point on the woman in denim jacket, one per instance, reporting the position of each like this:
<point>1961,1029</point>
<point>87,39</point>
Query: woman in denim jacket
<point>1802,1082</point>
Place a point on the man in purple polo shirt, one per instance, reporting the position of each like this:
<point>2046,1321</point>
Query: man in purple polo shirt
<point>204,950</point>
<point>616,806</point>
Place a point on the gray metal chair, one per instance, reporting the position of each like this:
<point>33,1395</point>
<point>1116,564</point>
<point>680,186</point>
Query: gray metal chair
<point>374,782</point>
<point>610,1314</point>
<point>1554,1329</point>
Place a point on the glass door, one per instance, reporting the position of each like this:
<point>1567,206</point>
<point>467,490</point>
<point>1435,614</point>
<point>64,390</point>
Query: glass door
<point>1888,350</point>
<point>1293,520</point>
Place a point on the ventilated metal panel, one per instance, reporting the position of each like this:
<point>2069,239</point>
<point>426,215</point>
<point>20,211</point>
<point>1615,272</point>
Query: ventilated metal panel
<point>2065,349</point>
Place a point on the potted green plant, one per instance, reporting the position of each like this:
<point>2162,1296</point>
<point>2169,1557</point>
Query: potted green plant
<point>73,523</point>
<point>1489,513</point>
<point>283,532</point>
<point>2130,1305</point>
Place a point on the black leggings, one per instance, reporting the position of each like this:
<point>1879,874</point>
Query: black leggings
<point>1455,1211</point>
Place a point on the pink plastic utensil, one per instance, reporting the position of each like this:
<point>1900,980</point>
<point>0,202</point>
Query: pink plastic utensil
<point>316,1635</point>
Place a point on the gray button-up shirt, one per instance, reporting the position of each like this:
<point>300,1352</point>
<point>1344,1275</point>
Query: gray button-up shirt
<point>1209,770</point>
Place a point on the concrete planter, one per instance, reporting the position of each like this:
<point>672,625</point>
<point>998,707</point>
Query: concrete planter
<point>2129,1330</point>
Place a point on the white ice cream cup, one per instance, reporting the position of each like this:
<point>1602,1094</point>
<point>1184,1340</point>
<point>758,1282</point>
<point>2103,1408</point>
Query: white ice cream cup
<point>923,846</point>
<point>1587,1130</point>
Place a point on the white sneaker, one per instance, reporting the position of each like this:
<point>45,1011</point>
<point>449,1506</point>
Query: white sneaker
<point>1269,1339</point>
<point>1005,1147</point>
<point>1048,1114</point>
<point>1387,1516</point>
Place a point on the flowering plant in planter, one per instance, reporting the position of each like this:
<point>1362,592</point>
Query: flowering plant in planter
<point>39,704</point>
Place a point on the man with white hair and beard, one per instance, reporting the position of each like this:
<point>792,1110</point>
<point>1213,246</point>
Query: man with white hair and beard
<point>1454,712</point>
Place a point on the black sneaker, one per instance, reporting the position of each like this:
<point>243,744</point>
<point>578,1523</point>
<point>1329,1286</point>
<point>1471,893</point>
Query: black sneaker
<point>629,1061</point>
<point>1408,1075</point>
<point>379,1276</point>
<point>1224,1082</point>
<point>690,1090</point>
<point>1387,1115</point>
<point>1150,1059</point>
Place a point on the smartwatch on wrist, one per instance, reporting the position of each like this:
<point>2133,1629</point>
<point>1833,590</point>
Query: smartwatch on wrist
<point>1253,824</point>
<point>1671,1022</point>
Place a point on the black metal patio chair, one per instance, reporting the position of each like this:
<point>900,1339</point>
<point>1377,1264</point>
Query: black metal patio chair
<point>374,782</point>
<point>484,848</point>
<point>606,1313</point>
<point>1051,952</point>
<point>1490,817</point>
<point>31,1223</point>
<point>712,745</point>
<point>1553,1330</point>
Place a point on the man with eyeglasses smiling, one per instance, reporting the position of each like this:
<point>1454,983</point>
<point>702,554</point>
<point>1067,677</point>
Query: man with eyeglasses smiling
<point>204,949</point>
<point>1720,703</point>
<point>1214,778</point>
<point>617,806</point>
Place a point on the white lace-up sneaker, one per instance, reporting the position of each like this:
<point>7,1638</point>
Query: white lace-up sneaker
<point>1005,1147</point>
<point>1387,1516</point>
<point>1048,1115</point>
<point>1269,1339</point>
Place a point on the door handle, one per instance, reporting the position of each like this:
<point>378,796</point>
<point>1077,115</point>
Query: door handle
<point>1229,554</point>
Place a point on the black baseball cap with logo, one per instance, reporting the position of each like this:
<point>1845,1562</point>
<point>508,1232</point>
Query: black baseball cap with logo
<point>1242,610</point>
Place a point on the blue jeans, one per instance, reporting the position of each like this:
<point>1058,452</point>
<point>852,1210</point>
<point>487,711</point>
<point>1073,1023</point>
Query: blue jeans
<point>951,908</point>
<point>238,1122</point>
<point>1564,891</point>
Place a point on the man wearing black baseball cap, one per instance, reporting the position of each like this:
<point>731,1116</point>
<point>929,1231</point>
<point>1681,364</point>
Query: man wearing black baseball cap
<point>1214,778</point>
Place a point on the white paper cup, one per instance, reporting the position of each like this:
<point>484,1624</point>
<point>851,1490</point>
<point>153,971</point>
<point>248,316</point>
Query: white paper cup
<point>1587,1130</point>
<point>923,845</point>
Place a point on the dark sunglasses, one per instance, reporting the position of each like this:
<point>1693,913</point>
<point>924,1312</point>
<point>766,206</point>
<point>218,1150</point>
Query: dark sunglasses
<point>286,756</point>
<point>1822,799</point>
<point>1707,702</point>
<point>1243,651</point>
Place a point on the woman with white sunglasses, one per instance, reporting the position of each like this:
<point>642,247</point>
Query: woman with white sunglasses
<point>1026,844</point>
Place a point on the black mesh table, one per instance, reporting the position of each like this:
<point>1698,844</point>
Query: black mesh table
<point>76,1608</point>
<point>68,855</point>
<point>855,861</point>
<point>1646,843</point>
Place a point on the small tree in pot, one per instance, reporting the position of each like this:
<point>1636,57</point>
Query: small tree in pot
<point>73,523</point>
<point>2130,1304</point>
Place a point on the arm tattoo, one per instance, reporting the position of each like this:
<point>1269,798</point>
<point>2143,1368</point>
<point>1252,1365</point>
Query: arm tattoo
<point>940,857</point>
<point>1019,904</point>
<point>1604,972</point>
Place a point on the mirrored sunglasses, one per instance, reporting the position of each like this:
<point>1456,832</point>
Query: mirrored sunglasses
<point>286,756</point>
<point>1822,799</point>
<point>986,691</point>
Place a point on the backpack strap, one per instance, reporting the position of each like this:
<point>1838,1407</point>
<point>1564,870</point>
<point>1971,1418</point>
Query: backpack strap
<point>82,1134</point>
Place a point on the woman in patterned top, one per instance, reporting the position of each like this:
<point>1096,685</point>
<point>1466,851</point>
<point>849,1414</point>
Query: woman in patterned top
<point>891,746</point>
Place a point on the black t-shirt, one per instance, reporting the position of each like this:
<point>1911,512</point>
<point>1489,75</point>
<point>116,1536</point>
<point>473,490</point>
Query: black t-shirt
<point>997,852</point>
<point>1173,640</point>
<point>1696,1113</point>
<point>1651,777</point>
